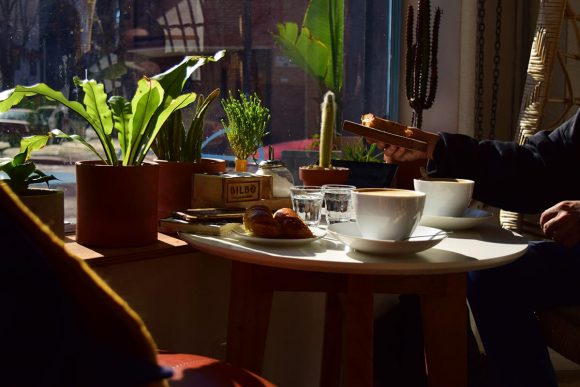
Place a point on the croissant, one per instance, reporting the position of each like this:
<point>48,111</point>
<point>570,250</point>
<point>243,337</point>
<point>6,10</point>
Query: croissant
<point>259,221</point>
<point>292,226</point>
<point>285,223</point>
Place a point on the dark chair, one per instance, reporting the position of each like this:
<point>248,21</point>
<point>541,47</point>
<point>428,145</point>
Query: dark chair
<point>62,325</point>
<point>561,326</point>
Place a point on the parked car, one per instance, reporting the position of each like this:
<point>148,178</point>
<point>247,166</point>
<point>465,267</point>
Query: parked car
<point>11,131</point>
<point>17,123</point>
<point>30,116</point>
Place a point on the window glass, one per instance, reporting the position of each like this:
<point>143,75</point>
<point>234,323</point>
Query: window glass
<point>119,41</point>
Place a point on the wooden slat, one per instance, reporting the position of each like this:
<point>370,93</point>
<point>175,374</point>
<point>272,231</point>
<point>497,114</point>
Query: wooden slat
<point>383,136</point>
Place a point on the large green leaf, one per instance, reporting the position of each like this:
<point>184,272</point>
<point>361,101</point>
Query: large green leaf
<point>174,79</point>
<point>325,19</point>
<point>304,50</point>
<point>147,99</point>
<point>121,110</point>
<point>11,97</point>
<point>324,24</point>
<point>100,116</point>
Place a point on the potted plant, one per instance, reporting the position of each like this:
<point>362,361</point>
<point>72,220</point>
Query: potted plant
<point>117,195</point>
<point>246,125</point>
<point>179,156</point>
<point>324,172</point>
<point>366,165</point>
<point>46,203</point>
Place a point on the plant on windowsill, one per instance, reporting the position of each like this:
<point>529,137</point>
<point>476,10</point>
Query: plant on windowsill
<point>246,125</point>
<point>367,169</point>
<point>126,186</point>
<point>21,172</point>
<point>324,172</point>
<point>178,152</point>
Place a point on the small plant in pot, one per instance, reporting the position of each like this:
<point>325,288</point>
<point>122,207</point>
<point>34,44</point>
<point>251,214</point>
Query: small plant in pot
<point>247,120</point>
<point>117,195</point>
<point>21,172</point>
<point>366,165</point>
<point>324,172</point>
<point>179,157</point>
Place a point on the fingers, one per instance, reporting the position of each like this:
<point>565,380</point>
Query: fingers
<point>560,223</point>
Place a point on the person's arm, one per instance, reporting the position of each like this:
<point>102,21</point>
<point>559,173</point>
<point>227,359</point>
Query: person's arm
<point>526,178</point>
<point>562,222</point>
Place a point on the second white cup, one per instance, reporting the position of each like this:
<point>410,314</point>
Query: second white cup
<point>445,197</point>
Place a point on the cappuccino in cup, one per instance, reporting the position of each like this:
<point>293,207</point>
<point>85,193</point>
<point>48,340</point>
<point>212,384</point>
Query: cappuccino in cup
<point>386,213</point>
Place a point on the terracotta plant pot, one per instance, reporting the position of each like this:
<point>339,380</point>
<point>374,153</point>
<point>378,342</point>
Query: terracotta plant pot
<point>116,206</point>
<point>175,180</point>
<point>48,205</point>
<point>320,176</point>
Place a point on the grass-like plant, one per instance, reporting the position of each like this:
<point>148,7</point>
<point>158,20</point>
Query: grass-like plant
<point>135,122</point>
<point>247,120</point>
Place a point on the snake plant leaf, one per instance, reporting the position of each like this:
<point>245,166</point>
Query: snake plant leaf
<point>178,103</point>
<point>194,137</point>
<point>121,110</point>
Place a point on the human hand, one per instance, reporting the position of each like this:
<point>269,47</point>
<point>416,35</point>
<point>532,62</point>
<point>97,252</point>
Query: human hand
<point>393,153</point>
<point>562,222</point>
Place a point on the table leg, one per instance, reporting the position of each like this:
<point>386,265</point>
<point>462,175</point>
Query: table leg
<point>358,335</point>
<point>332,342</point>
<point>249,315</point>
<point>445,333</point>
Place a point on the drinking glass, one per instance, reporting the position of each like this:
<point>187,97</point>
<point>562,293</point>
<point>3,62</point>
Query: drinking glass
<point>307,202</point>
<point>338,202</point>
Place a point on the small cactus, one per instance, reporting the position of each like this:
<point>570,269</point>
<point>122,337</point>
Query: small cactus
<point>421,59</point>
<point>327,124</point>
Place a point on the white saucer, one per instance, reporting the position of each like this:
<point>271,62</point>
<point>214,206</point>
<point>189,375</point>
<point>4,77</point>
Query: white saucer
<point>471,217</point>
<point>242,234</point>
<point>422,238</point>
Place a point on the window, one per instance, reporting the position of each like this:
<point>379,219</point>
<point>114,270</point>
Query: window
<point>117,42</point>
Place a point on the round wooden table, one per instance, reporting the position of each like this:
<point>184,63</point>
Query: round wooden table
<point>437,275</point>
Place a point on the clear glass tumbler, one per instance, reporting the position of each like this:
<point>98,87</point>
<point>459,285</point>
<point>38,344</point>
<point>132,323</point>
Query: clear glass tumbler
<point>338,202</point>
<point>307,202</point>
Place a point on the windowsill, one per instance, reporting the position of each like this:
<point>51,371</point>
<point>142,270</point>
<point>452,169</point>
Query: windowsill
<point>166,246</point>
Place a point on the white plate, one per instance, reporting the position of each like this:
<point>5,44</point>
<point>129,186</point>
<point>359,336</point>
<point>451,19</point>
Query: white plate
<point>242,234</point>
<point>422,238</point>
<point>471,217</point>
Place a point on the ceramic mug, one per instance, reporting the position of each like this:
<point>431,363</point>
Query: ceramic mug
<point>445,197</point>
<point>387,214</point>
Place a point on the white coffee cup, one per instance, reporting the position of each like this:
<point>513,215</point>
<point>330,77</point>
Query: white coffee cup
<point>387,214</point>
<point>445,197</point>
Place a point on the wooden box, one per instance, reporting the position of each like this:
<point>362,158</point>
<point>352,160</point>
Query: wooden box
<point>229,189</point>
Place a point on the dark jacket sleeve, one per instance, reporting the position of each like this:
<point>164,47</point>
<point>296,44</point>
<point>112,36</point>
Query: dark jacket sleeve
<point>527,178</point>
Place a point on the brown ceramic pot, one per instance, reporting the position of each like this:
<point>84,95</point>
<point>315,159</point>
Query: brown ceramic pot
<point>321,176</point>
<point>48,205</point>
<point>116,206</point>
<point>175,182</point>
